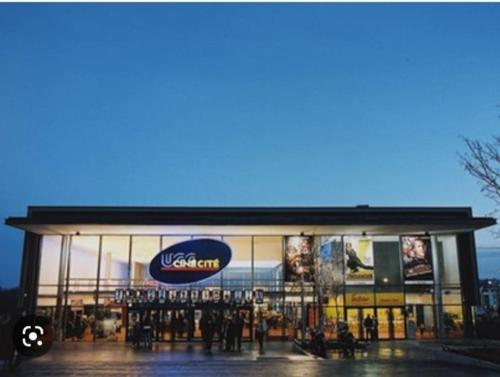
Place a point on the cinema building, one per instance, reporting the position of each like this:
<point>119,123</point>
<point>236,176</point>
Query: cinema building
<point>98,268</point>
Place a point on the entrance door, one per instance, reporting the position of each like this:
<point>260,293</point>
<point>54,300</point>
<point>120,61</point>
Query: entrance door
<point>355,318</point>
<point>178,324</point>
<point>391,323</point>
<point>420,321</point>
<point>133,316</point>
<point>196,329</point>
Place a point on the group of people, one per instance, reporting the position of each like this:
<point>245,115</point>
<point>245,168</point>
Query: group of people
<point>178,325</point>
<point>142,331</point>
<point>346,339</point>
<point>77,325</point>
<point>144,324</point>
<point>213,325</point>
<point>229,329</point>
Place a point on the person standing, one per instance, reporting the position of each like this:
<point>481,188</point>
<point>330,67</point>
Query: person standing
<point>204,323</point>
<point>181,325</point>
<point>375,328</point>
<point>136,331</point>
<point>260,331</point>
<point>147,329</point>
<point>78,328</point>
<point>390,318</point>
<point>219,326</point>
<point>163,327</point>
<point>230,334</point>
<point>368,325</point>
<point>224,333</point>
<point>421,327</point>
<point>240,322</point>
<point>173,325</point>
<point>209,332</point>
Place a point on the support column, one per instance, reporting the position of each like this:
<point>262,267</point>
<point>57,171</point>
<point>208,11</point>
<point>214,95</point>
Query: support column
<point>63,267</point>
<point>30,270</point>
<point>96,296</point>
<point>469,279</point>
<point>252,267</point>
<point>438,297</point>
<point>66,288</point>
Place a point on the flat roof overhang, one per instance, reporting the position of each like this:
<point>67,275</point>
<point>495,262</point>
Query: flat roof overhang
<point>249,220</point>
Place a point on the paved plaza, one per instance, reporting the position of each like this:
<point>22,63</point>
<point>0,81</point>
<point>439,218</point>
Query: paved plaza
<point>382,359</point>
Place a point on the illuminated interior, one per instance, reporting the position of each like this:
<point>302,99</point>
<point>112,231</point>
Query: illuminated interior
<point>402,310</point>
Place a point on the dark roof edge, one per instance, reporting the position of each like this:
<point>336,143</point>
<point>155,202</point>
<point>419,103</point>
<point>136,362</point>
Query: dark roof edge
<point>47,210</point>
<point>305,207</point>
<point>364,215</point>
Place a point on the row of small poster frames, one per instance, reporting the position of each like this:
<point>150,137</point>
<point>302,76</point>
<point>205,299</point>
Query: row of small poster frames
<point>185,296</point>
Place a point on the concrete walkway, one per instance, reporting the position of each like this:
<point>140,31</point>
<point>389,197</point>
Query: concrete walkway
<point>382,359</point>
<point>164,352</point>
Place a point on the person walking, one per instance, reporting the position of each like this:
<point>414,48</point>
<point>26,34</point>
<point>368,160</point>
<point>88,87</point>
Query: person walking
<point>260,331</point>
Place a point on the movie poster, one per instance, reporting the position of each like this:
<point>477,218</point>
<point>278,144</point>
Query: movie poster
<point>299,258</point>
<point>330,263</point>
<point>358,257</point>
<point>417,259</point>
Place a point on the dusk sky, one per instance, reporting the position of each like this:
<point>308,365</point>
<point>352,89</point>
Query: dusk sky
<point>242,105</point>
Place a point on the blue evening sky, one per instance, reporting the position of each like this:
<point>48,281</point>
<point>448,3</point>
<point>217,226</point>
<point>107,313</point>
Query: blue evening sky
<point>242,104</point>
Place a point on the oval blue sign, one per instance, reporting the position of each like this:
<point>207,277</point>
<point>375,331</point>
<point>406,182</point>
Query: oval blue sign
<point>190,261</point>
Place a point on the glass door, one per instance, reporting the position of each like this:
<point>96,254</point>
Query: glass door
<point>383,327</point>
<point>391,323</point>
<point>196,331</point>
<point>246,315</point>
<point>365,314</point>
<point>398,315</point>
<point>133,318</point>
<point>356,318</point>
<point>170,323</point>
<point>353,322</point>
<point>163,333</point>
<point>181,324</point>
<point>420,322</point>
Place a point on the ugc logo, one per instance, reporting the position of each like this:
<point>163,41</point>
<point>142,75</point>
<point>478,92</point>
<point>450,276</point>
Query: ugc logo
<point>190,261</point>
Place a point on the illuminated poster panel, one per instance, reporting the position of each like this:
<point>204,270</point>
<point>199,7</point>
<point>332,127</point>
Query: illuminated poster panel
<point>330,263</point>
<point>417,259</point>
<point>299,258</point>
<point>358,257</point>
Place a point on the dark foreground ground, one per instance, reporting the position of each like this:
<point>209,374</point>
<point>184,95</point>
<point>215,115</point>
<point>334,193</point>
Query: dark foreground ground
<point>384,359</point>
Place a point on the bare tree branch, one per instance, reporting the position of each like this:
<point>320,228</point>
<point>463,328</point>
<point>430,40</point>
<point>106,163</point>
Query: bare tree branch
<point>482,161</point>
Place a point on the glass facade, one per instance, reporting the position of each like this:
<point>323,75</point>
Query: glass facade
<point>410,285</point>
